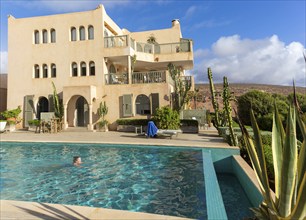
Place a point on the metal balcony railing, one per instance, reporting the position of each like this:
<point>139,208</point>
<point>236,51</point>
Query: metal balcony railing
<point>149,77</point>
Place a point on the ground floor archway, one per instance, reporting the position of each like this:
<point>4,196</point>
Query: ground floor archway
<point>42,106</point>
<point>77,112</point>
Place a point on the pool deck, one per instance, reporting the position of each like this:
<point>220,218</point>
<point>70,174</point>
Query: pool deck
<point>31,210</point>
<point>205,138</point>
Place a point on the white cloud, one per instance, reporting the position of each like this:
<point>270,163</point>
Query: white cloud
<point>3,59</point>
<point>265,61</point>
<point>190,11</point>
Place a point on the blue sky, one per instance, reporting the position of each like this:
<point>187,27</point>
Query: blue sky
<point>247,41</point>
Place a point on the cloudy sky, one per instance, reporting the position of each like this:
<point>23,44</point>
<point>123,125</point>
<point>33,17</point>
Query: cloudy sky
<point>247,41</point>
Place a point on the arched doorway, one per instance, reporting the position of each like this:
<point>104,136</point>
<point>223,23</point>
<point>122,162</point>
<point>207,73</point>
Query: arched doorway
<point>81,107</point>
<point>42,106</point>
<point>78,112</point>
<point>143,105</point>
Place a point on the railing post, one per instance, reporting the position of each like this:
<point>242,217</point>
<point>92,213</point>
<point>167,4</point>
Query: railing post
<point>129,73</point>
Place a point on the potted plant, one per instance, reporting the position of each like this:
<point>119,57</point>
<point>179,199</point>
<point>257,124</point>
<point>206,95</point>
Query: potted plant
<point>11,116</point>
<point>102,112</point>
<point>33,124</point>
<point>2,125</point>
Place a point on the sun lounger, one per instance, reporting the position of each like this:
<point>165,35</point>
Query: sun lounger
<point>169,133</point>
<point>153,131</point>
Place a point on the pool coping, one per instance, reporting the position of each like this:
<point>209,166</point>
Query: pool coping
<point>11,209</point>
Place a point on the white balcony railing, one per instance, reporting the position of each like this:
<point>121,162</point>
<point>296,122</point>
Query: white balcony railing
<point>124,41</point>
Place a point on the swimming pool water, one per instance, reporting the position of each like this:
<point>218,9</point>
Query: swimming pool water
<point>144,179</point>
<point>236,202</point>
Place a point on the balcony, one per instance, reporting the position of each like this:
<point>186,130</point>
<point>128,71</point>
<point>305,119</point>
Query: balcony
<point>149,77</point>
<point>123,45</point>
<point>139,78</point>
<point>115,79</point>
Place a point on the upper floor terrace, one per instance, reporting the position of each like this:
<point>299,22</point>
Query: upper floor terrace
<point>179,53</point>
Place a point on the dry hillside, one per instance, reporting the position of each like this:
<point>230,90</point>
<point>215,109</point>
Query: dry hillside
<point>204,100</point>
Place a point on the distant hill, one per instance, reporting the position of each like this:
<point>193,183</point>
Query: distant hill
<point>238,90</point>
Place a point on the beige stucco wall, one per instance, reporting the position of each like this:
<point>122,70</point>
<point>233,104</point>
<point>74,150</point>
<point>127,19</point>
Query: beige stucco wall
<point>172,34</point>
<point>24,54</point>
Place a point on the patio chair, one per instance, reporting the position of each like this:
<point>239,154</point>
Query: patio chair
<point>153,131</point>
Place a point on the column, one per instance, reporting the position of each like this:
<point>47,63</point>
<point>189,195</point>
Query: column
<point>90,125</point>
<point>65,116</point>
<point>129,69</point>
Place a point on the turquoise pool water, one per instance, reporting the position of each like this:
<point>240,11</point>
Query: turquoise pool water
<point>144,179</point>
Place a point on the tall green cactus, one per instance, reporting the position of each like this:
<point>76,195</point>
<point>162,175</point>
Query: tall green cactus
<point>228,111</point>
<point>213,98</point>
<point>181,88</point>
<point>58,105</point>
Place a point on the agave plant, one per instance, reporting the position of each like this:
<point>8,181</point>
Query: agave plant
<point>289,201</point>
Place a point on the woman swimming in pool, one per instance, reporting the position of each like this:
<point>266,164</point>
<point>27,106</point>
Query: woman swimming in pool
<point>77,161</point>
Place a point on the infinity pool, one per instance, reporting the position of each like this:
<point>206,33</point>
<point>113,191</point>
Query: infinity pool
<point>143,179</point>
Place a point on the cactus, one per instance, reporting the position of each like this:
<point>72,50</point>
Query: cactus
<point>102,111</point>
<point>228,111</point>
<point>213,98</point>
<point>58,105</point>
<point>181,88</point>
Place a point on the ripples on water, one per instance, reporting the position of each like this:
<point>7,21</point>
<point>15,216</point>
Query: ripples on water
<point>153,180</point>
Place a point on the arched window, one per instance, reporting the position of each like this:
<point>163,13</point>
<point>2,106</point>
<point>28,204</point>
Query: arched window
<point>45,71</point>
<point>74,68</point>
<point>45,36</point>
<point>83,69</point>
<point>53,35</point>
<point>73,34</point>
<point>82,33</point>
<point>90,32</point>
<point>92,69</point>
<point>36,37</point>
<point>36,71</point>
<point>53,70</point>
<point>143,105</point>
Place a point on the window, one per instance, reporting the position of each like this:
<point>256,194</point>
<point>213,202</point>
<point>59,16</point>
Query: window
<point>82,33</point>
<point>36,71</point>
<point>143,105</point>
<point>45,71</point>
<point>92,69</point>
<point>53,36</point>
<point>36,37</point>
<point>74,68</point>
<point>45,36</point>
<point>73,34</point>
<point>53,70</point>
<point>90,32</point>
<point>83,69</point>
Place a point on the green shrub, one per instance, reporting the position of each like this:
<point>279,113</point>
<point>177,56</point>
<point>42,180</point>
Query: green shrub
<point>34,122</point>
<point>262,105</point>
<point>166,118</point>
<point>11,113</point>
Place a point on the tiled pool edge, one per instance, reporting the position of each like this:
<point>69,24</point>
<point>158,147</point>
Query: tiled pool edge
<point>214,201</point>
<point>247,179</point>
